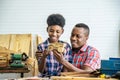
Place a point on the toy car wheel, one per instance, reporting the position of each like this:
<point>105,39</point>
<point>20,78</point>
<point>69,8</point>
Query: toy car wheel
<point>50,48</point>
<point>60,50</point>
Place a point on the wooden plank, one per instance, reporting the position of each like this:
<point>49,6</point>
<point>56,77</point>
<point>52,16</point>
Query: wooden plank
<point>36,71</point>
<point>31,48</point>
<point>77,74</point>
<point>13,70</point>
<point>20,43</point>
<point>34,78</point>
<point>12,42</point>
<point>5,40</point>
<point>78,78</point>
<point>39,39</point>
<point>73,73</point>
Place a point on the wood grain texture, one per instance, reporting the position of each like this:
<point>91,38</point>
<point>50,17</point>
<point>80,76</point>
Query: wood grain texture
<point>77,78</point>
<point>5,40</point>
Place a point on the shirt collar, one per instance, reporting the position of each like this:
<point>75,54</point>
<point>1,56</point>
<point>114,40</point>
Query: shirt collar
<point>47,41</point>
<point>82,49</point>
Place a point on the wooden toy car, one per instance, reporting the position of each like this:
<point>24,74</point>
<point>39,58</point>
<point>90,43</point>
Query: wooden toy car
<point>58,46</point>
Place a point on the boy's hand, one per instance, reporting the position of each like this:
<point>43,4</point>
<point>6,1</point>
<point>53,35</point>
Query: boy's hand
<point>40,54</point>
<point>45,53</point>
<point>59,56</point>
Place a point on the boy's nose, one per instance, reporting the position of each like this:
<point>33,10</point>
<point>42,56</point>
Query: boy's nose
<point>55,33</point>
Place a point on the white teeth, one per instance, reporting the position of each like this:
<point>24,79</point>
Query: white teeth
<point>53,37</point>
<point>73,42</point>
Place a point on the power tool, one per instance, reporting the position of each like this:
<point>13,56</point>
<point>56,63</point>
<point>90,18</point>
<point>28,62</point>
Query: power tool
<point>17,60</point>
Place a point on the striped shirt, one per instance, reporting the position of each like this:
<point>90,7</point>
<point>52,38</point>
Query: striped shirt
<point>53,67</point>
<point>88,56</point>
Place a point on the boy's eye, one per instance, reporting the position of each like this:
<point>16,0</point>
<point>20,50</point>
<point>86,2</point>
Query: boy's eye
<point>54,31</point>
<point>72,35</point>
<point>51,31</point>
<point>58,31</point>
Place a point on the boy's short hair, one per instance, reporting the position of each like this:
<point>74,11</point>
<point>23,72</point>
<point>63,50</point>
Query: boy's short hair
<point>82,25</point>
<point>56,19</point>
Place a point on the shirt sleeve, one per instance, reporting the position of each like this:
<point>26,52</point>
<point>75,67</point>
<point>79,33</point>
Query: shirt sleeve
<point>39,47</point>
<point>68,53</point>
<point>93,59</point>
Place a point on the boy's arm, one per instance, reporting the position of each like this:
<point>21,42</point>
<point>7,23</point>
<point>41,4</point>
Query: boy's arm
<point>41,57</point>
<point>42,64</point>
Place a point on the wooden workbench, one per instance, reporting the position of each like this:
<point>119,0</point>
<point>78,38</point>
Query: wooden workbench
<point>78,78</point>
<point>64,78</point>
<point>14,70</point>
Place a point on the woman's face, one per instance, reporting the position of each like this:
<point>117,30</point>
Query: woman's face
<point>54,33</point>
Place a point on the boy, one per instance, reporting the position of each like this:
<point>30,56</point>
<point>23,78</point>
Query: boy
<point>48,66</point>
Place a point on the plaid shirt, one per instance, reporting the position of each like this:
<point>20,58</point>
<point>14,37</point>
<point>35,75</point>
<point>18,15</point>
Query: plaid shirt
<point>53,67</point>
<point>88,56</point>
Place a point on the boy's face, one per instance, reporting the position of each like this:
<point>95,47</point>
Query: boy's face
<point>54,32</point>
<point>78,37</point>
